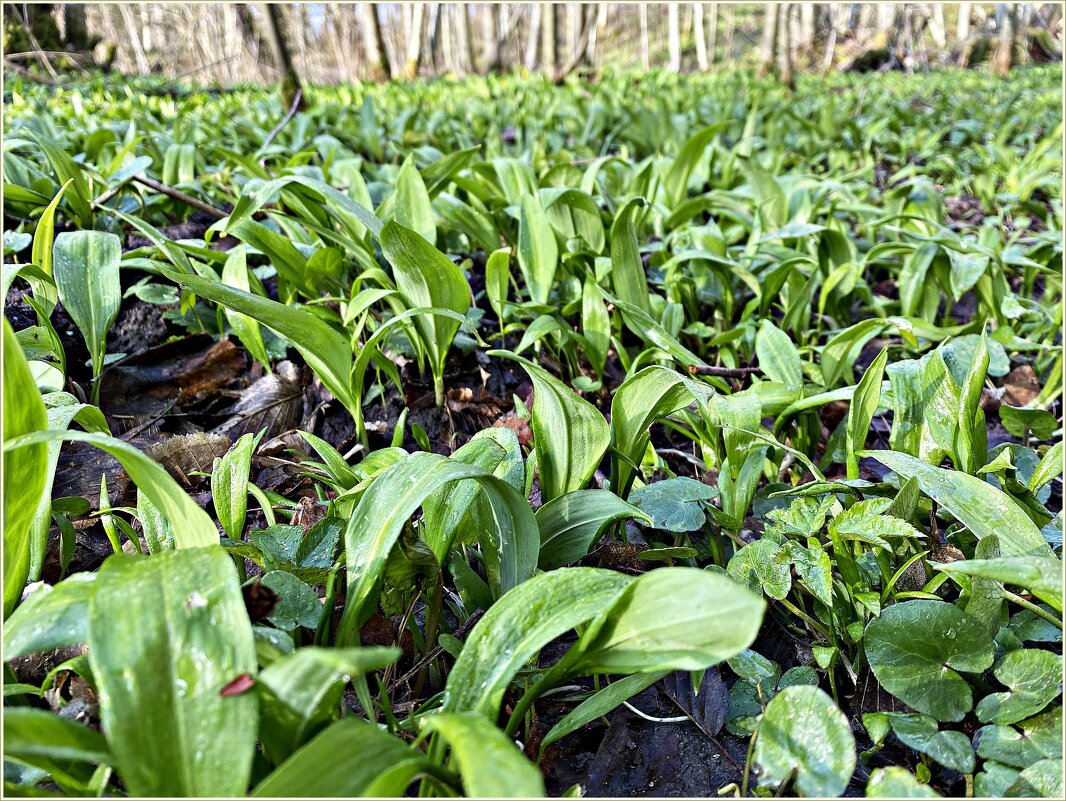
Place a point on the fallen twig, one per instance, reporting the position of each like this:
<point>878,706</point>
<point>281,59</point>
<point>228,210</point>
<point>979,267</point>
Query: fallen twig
<point>284,122</point>
<point>178,195</point>
<point>723,372</point>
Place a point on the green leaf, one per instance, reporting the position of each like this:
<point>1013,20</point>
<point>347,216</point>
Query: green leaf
<point>1040,738</point>
<point>159,665</point>
<point>491,765</point>
<point>350,759</point>
<point>1034,679</point>
<point>950,748</point>
<point>804,733</point>
<point>864,403</point>
<point>1050,466</point>
<point>600,703</point>
<point>758,567</point>
<point>978,505</point>
<point>914,640</point>
<point>1041,575</point>
<point>32,734</point>
<point>842,350</point>
<point>896,782</point>
<point>571,524</point>
<point>229,485</point>
<point>1039,423</point>
<point>674,504</point>
<point>538,252</point>
<point>297,604</point>
<point>51,618</point>
<point>509,548</point>
<point>1042,779</point>
<point>426,277</point>
<point>675,184</point>
<point>641,400</point>
<point>570,433</point>
<point>300,694</point>
<point>326,351</point>
<point>235,274</point>
<point>778,357</point>
<point>24,469</point>
<point>85,265</point>
<point>497,281</point>
<point>521,623</point>
<point>628,279</point>
<point>192,527</point>
<point>412,208</point>
<point>676,618</point>
<point>41,255</point>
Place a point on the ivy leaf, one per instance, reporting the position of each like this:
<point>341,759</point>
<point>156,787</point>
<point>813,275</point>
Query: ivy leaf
<point>914,640</point>
<point>896,782</point>
<point>674,504</point>
<point>757,567</point>
<point>1035,680</point>
<point>951,749</point>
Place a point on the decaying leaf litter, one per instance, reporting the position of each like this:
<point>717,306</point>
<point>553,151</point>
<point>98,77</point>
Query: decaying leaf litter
<point>675,427</point>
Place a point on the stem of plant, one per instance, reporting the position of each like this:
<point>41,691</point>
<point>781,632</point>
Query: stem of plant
<point>1030,606</point>
<point>432,624</point>
<point>747,765</point>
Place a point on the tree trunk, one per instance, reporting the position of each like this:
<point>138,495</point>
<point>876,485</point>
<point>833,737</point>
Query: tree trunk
<point>701,37</point>
<point>133,38</point>
<point>490,33</point>
<point>937,28</point>
<point>547,39</point>
<point>962,27</point>
<point>784,46</point>
<point>76,28</point>
<point>807,18</point>
<point>376,56</point>
<point>584,37</point>
<point>279,54</point>
<point>1007,35</point>
<point>673,21</point>
<point>601,21</point>
<point>645,57</point>
<point>769,39</point>
<point>413,34</point>
<point>463,43</point>
<point>533,39</point>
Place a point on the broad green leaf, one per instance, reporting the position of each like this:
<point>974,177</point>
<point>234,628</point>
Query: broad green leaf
<point>1040,574</point>
<point>644,398</point>
<point>595,325</point>
<point>675,184</point>
<point>804,732</point>
<point>51,618</point>
<point>896,782</point>
<point>426,277</point>
<point>31,734</point>
<point>771,200</point>
<point>1033,679</point>
<point>758,567</point>
<point>326,351</point>
<point>192,527</point>
<point>509,548</point>
<point>497,281</point>
<point>411,206</point>
<point>521,623</point>
<point>490,764</point>
<point>628,279</point>
<point>67,171</point>
<point>677,618</point>
<point>951,749</point>
<point>914,640</point>
<point>1051,465</point>
<point>24,469</point>
<point>778,357</point>
<point>538,252</point>
<point>570,434</point>
<point>41,254</point>
<point>1043,779</point>
<point>674,504</point>
<point>842,350</point>
<point>978,505</point>
<point>85,265</point>
<point>159,665</point>
<point>1040,738</point>
<point>229,485</point>
<point>235,274</point>
<point>864,403</point>
<point>571,524</point>
<point>350,759</point>
<point>574,214</point>
<point>300,694</point>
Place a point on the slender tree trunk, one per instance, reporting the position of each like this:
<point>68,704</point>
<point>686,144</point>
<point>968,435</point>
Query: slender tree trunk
<point>413,35</point>
<point>533,39</point>
<point>279,53</point>
<point>434,30</point>
<point>464,40</point>
<point>76,28</point>
<point>490,32</point>
<point>712,33</point>
<point>376,56</point>
<point>547,39</point>
<point>769,39</point>
<point>645,57</point>
<point>807,14</point>
<point>701,37</point>
<point>962,27</point>
<point>581,44</point>
<point>1007,35</point>
<point>133,38</point>
<point>601,21</point>
<point>673,21</point>
<point>937,29</point>
<point>784,46</point>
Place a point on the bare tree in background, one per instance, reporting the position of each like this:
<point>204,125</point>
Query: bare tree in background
<point>645,56</point>
<point>673,21</point>
<point>962,27</point>
<point>769,40</point>
<point>1007,19</point>
<point>547,39</point>
<point>376,55</point>
<point>700,32</point>
<point>280,55</point>
<point>413,56</point>
<point>784,46</point>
